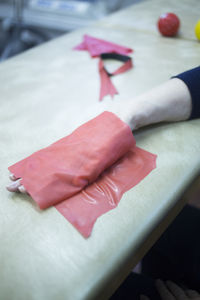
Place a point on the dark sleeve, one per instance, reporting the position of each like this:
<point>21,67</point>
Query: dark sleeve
<point>192,79</point>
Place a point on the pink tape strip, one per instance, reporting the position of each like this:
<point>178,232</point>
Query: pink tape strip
<point>106,85</point>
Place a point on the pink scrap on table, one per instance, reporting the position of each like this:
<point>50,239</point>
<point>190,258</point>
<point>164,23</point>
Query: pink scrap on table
<point>98,47</point>
<point>86,173</point>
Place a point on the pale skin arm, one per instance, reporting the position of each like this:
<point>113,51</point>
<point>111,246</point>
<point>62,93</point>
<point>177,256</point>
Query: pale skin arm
<point>168,102</point>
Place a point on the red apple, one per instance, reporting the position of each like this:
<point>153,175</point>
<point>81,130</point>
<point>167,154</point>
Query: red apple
<point>168,24</point>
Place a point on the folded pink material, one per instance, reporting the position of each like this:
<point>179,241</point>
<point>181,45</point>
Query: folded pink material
<point>86,173</point>
<point>61,170</point>
<point>98,46</point>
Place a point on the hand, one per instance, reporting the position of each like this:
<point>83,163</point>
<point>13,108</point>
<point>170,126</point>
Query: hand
<point>15,185</point>
<point>151,107</point>
<point>171,291</point>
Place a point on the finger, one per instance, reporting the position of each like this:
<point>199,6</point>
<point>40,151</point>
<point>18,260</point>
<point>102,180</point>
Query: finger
<point>176,290</point>
<point>192,294</point>
<point>163,290</point>
<point>13,187</point>
<point>143,297</point>
<point>12,177</point>
<point>22,189</point>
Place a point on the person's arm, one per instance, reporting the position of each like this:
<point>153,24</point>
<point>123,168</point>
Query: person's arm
<point>170,101</point>
<point>175,100</point>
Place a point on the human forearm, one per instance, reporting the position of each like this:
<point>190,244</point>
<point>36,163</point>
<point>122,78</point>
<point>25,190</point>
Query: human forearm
<point>170,101</point>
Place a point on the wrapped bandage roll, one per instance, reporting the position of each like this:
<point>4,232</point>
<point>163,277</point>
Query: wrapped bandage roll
<point>64,168</point>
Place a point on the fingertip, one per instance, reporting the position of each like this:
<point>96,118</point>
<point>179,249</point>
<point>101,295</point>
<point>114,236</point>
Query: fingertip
<point>12,177</point>
<point>170,283</point>
<point>10,188</point>
<point>192,294</point>
<point>13,186</point>
<point>158,281</point>
<point>159,284</point>
<point>22,189</point>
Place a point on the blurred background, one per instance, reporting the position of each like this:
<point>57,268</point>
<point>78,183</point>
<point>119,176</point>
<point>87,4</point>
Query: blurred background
<point>28,23</point>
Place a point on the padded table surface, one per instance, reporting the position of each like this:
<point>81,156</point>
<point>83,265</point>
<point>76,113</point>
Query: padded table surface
<point>45,94</point>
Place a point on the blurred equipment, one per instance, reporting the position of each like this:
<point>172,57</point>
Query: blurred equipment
<point>16,36</point>
<point>27,23</point>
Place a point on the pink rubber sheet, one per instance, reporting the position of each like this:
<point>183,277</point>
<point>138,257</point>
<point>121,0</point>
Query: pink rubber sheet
<point>98,46</point>
<point>83,209</point>
<point>61,170</point>
<point>86,173</point>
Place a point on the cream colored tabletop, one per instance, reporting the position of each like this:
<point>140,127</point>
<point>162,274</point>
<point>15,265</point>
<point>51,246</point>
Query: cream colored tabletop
<point>145,15</point>
<point>46,93</point>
